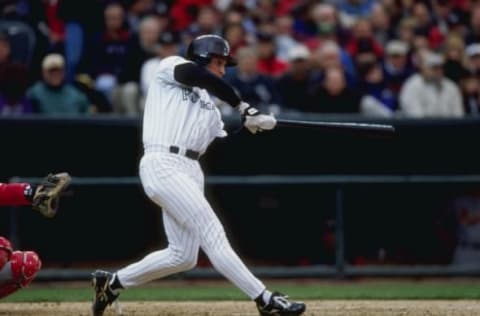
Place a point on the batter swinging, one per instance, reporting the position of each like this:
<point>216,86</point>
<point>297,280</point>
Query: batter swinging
<point>179,122</point>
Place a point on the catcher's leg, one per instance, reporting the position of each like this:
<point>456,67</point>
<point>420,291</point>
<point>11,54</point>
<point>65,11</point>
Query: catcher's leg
<point>19,271</point>
<point>5,253</point>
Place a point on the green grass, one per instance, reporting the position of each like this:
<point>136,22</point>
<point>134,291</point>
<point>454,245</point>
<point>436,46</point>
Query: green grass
<point>223,291</point>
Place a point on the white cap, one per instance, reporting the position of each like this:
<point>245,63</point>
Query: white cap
<point>298,52</point>
<point>431,59</point>
<point>473,49</point>
<point>53,61</point>
<point>396,47</point>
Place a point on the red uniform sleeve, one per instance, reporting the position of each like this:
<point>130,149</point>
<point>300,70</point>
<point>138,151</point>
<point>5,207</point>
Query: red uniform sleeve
<point>13,194</point>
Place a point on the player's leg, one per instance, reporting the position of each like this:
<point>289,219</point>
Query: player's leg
<point>180,255</point>
<point>17,268</point>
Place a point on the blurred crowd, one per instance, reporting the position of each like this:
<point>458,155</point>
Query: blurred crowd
<point>384,58</point>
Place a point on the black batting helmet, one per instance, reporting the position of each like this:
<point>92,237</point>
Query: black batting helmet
<point>204,47</point>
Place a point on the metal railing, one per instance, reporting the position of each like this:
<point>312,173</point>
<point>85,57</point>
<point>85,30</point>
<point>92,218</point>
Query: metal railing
<point>340,270</point>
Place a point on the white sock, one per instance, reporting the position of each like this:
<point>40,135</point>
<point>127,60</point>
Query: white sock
<point>266,295</point>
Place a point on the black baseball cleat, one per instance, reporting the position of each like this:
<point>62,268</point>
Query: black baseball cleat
<point>279,305</point>
<point>104,295</point>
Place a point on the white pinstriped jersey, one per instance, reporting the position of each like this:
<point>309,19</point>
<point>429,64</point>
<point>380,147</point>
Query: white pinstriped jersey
<point>179,115</point>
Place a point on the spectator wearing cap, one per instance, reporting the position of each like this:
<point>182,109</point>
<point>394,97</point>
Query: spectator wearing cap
<point>473,58</point>
<point>268,62</point>
<point>52,95</point>
<point>294,85</point>
<point>13,82</point>
<point>168,45</point>
<point>126,95</point>
<point>396,67</point>
<point>429,93</point>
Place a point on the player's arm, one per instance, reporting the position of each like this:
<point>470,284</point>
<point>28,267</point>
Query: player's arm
<point>15,194</point>
<point>193,75</point>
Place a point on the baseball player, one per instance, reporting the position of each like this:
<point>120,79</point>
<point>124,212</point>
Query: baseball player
<point>18,268</point>
<point>180,121</point>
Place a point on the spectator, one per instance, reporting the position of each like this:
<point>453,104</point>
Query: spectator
<point>55,25</point>
<point>235,35</point>
<point>363,46</point>
<point>473,61</point>
<point>470,87</point>
<point>108,52</point>
<point>429,93</point>
<point>206,22</point>
<point>97,100</point>
<point>352,10</point>
<point>13,82</point>
<point>284,36</point>
<point>82,19</point>
<point>447,19</point>
<point>126,95</point>
<point>136,11</point>
<point>396,67</point>
<point>253,87</point>
<point>330,55</point>
<point>268,62</point>
<point>238,14</point>
<point>382,28</point>
<point>294,85</point>
<point>473,35</point>
<point>53,95</point>
<point>425,26</point>
<point>406,31</point>
<point>325,25</point>
<point>168,45</point>
<point>333,95</point>
<point>377,99</point>
<point>455,60</point>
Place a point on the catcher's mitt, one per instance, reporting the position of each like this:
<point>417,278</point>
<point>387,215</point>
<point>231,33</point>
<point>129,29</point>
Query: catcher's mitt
<point>47,194</point>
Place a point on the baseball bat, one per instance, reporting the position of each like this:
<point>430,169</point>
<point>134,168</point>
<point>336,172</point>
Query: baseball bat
<point>380,129</point>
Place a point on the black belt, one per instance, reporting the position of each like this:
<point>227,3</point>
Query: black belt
<point>192,154</point>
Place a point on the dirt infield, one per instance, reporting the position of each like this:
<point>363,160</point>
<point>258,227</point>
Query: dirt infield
<point>324,308</point>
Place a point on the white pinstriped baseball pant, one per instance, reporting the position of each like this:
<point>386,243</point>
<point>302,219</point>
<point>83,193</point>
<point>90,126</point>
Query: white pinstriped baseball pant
<point>175,183</point>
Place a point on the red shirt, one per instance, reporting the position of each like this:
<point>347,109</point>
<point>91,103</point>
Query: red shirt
<point>272,67</point>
